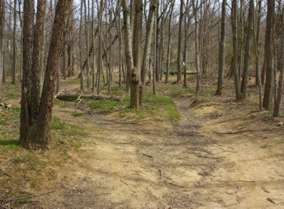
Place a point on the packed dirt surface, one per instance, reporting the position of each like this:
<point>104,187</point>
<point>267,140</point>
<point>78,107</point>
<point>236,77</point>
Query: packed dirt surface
<point>219,155</point>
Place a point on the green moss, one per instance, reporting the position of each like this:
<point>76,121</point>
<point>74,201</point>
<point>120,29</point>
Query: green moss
<point>161,106</point>
<point>9,143</point>
<point>104,105</point>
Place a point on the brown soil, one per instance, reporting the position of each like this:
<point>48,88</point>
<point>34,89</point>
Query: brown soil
<point>220,155</point>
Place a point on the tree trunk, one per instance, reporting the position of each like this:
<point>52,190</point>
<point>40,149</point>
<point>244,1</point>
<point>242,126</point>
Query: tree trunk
<point>14,62</point>
<point>247,49</point>
<point>235,50</point>
<point>137,36</point>
<point>147,46</point>
<point>2,24</point>
<point>196,39</point>
<point>180,41</point>
<point>185,45</point>
<point>40,133</point>
<point>100,47</point>
<point>36,59</point>
<point>169,42</point>
<point>93,45</point>
<point>127,39</point>
<point>221,50</point>
<point>268,54</point>
<point>26,102</point>
<point>257,51</point>
<point>280,65</point>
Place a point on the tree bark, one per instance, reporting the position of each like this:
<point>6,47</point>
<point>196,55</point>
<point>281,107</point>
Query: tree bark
<point>268,54</point>
<point>40,133</point>
<point>26,102</point>
<point>180,41</point>
<point>256,52</point>
<point>36,62</point>
<point>247,49</point>
<point>221,50</point>
<point>277,105</point>
<point>235,50</point>
<point>169,42</point>
<point>14,62</point>
<point>147,46</point>
<point>2,26</point>
<point>137,37</point>
<point>100,47</point>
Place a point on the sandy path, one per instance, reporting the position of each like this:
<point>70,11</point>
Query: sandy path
<point>193,164</point>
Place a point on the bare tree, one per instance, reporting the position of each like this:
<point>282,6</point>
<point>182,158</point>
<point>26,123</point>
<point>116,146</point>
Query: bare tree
<point>280,65</point>
<point>14,62</point>
<point>36,135</point>
<point>2,26</point>
<point>26,101</point>
<point>180,41</point>
<point>247,48</point>
<point>268,54</point>
<point>147,45</point>
<point>221,50</point>
<point>235,49</point>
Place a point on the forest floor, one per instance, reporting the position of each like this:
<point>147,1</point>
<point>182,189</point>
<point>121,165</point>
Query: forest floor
<point>213,153</point>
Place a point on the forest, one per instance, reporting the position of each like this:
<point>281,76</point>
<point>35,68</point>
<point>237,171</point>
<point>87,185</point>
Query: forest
<point>141,104</point>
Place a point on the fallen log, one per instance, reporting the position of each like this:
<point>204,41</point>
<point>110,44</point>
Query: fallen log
<point>77,97</point>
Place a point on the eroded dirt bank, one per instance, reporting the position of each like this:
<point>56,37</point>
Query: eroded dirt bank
<point>217,156</point>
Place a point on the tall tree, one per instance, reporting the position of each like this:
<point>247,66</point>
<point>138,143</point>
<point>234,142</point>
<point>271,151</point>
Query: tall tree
<point>37,134</point>
<point>257,52</point>
<point>100,46</point>
<point>127,38</point>
<point>36,59</point>
<point>26,102</point>
<point>179,50</point>
<point>137,37</point>
<point>2,26</point>
<point>268,54</point>
<point>247,48</point>
<point>196,41</point>
<point>168,60</point>
<point>235,68</point>
<point>221,50</point>
<point>147,45</point>
<point>280,65</point>
<point>185,43</point>
<point>14,62</point>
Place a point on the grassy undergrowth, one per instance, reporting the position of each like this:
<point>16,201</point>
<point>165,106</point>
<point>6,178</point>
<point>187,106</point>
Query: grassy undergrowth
<point>23,170</point>
<point>154,107</point>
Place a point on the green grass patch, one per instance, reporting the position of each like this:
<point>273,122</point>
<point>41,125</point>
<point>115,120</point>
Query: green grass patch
<point>9,143</point>
<point>154,107</point>
<point>65,129</point>
<point>10,91</point>
<point>32,160</point>
<point>9,128</point>
<point>72,82</point>
<point>118,91</point>
<point>77,114</point>
<point>175,90</point>
<point>104,105</point>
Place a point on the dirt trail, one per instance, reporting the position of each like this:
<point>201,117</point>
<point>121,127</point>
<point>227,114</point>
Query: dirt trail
<point>198,163</point>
